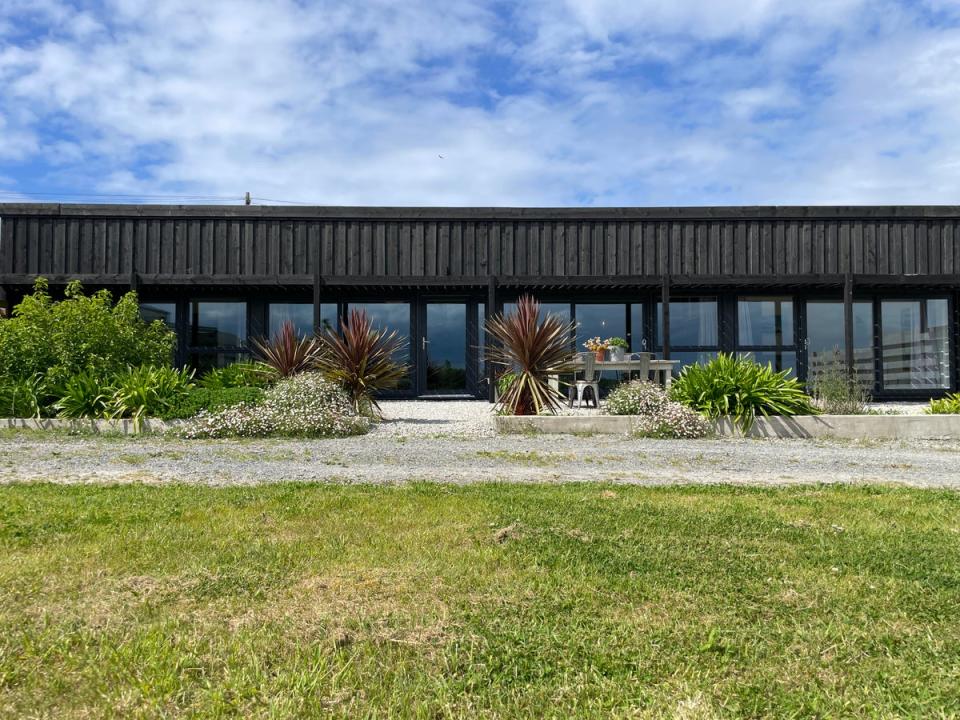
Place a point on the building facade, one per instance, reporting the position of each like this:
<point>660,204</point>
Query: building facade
<point>872,288</point>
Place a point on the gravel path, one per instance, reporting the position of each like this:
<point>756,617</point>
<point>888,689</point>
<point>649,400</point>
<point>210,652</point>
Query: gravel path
<point>454,442</point>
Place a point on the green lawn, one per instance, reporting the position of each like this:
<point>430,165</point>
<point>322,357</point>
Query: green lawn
<point>485,601</point>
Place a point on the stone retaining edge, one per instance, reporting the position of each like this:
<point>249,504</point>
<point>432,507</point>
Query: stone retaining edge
<point>123,427</point>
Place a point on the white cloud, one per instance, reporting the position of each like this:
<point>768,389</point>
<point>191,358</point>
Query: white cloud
<point>589,101</point>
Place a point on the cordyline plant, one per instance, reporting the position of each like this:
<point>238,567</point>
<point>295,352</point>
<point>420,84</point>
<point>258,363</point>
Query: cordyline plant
<point>287,352</point>
<point>533,349</point>
<point>361,359</point>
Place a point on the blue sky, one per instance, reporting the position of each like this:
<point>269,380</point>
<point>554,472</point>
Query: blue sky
<point>465,102</point>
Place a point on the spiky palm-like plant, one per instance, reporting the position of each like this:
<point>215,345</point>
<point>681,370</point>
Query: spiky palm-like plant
<point>533,349</point>
<point>362,359</point>
<point>287,352</point>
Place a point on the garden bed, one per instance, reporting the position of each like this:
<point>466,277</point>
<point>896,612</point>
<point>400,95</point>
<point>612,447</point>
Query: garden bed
<point>804,426</point>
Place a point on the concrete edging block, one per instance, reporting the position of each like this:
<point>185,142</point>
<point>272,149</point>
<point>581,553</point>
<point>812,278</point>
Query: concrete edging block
<point>880,427</point>
<point>122,427</point>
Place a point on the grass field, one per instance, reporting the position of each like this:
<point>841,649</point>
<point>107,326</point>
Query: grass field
<point>430,601</point>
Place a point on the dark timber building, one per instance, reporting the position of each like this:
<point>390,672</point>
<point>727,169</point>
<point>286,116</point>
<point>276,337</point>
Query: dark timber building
<point>791,285</point>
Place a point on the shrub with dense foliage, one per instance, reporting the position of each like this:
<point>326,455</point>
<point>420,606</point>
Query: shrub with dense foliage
<point>949,405</point>
<point>240,374</point>
<point>305,405</point>
<point>211,400</point>
<point>532,349</point>
<point>656,415</point>
<point>79,334</point>
<point>739,388</point>
<point>362,360</point>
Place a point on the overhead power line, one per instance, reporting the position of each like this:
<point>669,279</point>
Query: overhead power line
<point>120,196</point>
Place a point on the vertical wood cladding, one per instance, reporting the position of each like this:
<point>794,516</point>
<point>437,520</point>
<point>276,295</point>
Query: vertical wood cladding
<point>378,246</point>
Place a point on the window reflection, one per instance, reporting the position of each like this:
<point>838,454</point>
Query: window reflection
<point>219,324</point>
<point>600,320</point>
<point>826,342</point>
<point>167,312</point>
<point>300,314</point>
<point>915,345</point>
<point>693,323</point>
<point>765,331</point>
<point>390,316</point>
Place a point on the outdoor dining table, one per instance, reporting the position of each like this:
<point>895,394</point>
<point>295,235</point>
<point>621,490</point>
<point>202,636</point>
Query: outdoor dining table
<point>662,369</point>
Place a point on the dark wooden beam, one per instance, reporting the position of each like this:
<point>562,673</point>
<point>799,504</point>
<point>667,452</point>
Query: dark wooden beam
<point>317,287</point>
<point>665,315</point>
<point>488,311</point>
<point>848,323</point>
<point>742,212</point>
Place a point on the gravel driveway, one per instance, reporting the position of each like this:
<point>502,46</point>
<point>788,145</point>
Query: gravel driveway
<point>454,442</point>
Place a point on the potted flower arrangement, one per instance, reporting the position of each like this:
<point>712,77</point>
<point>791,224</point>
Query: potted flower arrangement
<point>618,348</point>
<point>598,347</point>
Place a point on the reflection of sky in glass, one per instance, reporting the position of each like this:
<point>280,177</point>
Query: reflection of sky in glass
<point>825,331</point>
<point>757,321</point>
<point>300,314</point>
<point>562,310</point>
<point>446,331</point>
<point>603,321</point>
<point>159,311</point>
<point>390,316</point>
<point>637,343</point>
<point>220,324</point>
<point>693,323</point>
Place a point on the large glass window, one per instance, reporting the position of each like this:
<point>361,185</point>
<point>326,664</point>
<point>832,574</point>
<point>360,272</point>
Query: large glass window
<point>765,331</point>
<point>390,316</point>
<point>915,345</point>
<point>300,314</point>
<point>159,311</point>
<point>694,330</point>
<point>693,323</point>
<point>218,324</point>
<point>603,321</point>
<point>826,344</point>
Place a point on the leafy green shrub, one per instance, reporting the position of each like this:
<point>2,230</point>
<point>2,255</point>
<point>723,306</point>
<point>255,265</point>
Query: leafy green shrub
<point>949,405</point>
<point>24,397</point>
<point>148,391</point>
<point>135,393</point>
<point>211,400</point>
<point>241,374</point>
<point>84,395</point>
<point>618,342</point>
<point>740,388</point>
<point>79,334</point>
<point>656,416</point>
<point>835,391</point>
<point>304,405</point>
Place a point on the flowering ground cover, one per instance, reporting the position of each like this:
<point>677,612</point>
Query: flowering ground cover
<point>492,600</point>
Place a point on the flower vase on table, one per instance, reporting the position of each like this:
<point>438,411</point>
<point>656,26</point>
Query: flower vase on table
<point>598,347</point>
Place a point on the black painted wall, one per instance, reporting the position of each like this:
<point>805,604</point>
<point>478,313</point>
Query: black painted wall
<point>186,245</point>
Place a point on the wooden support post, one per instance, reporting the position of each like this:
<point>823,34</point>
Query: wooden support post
<point>317,283</point>
<point>848,323</point>
<point>665,316</point>
<point>488,311</point>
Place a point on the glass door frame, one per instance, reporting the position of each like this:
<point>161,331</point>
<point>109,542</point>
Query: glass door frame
<point>475,387</point>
